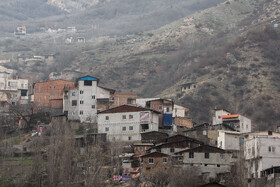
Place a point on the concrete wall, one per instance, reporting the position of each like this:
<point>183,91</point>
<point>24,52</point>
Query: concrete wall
<point>228,140</point>
<point>217,162</point>
<point>217,119</point>
<point>116,123</point>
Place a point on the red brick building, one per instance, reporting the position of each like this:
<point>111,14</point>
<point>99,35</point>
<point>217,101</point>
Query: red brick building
<point>50,93</point>
<point>124,99</point>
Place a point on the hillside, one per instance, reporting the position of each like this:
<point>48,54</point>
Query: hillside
<point>229,50</point>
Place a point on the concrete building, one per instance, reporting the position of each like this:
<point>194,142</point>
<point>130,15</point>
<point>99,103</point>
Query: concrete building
<point>142,101</point>
<point>126,123</point>
<point>188,86</point>
<point>207,160</point>
<point>124,99</point>
<point>50,93</point>
<point>236,121</point>
<point>230,140</point>
<point>180,111</point>
<point>13,89</point>
<point>261,152</point>
<point>84,101</point>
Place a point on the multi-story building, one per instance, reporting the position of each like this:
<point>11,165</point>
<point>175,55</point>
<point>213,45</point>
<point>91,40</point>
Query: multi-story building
<point>206,160</point>
<point>50,93</point>
<point>13,90</point>
<point>86,99</point>
<point>261,152</point>
<point>126,122</point>
<point>236,121</point>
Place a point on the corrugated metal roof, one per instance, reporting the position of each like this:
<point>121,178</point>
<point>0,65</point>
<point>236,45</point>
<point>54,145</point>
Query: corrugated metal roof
<point>126,108</point>
<point>88,78</point>
<point>230,116</point>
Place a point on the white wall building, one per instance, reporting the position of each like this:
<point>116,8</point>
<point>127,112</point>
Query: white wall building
<point>83,102</point>
<point>236,121</point>
<point>261,151</point>
<point>142,101</point>
<point>126,123</point>
<point>12,89</point>
<point>180,111</point>
<point>229,140</point>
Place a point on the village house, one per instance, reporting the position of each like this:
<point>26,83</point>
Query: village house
<point>20,30</point>
<point>126,122</point>
<point>124,99</point>
<point>230,140</point>
<point>206,159</point>
<point>49,94</point>
<point>165,107</point>
<point>188,86</point>
<point>13,89</point>
<point>207,133</point>
<point>155,162</point>
<point>180,111</point>
<point>261,152</point>
<point>84,101</point>
<point>236,121</point>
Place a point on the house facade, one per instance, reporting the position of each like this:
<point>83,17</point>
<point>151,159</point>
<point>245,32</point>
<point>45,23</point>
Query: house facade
<point>230,140</point>
<point>82,102</point>
<point>155,162</point>
<point>207,160</point>
<point>13,90</point>
<point>124,99</point>
<point>50,93</point>
<point>126,122</point>
<point>261,152</point>
<point>236,121</point>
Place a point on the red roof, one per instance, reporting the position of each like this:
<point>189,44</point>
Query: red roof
<point>230,116</point>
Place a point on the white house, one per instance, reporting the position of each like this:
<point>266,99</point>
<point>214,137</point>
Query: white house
<point>229,140</point>
<point>236,121</point>
<point>126,122</point>
<point>261,152</point>
<point>13,90</point>
<point>83,102</point>
<point>180,111</point>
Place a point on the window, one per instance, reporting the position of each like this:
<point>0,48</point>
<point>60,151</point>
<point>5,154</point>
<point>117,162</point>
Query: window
<point>222,156</point>
<point>87,83</point>
<point>81,102</point>
<point>106,118</point>
<point>131,128</point>
<point>81,112</point>
<point>73,93</point>
<point>191,154</point>
<point>167,109</point>
<point>206,155</point>
<point>164,160</point>
<point>172,150</point>
<point>151,160</point>
<point>218,165</point>
<point>74,102</point>
<point>205,165</point>
<point>129,138</point>
<point>160,107</point>
<point>271,149</point>
<point>130,116</point>
<point>180,158</point>
<point>93,97</point>
<point>140,149</point>
<point>123,128</point>
<point>81,91</point>
<point>204,132</point>
<point>93,106</point>
<point>123,116</point>
<point>73,113</point>
<point>23,93</point>
<point>219,117</point>
<point>106,129</point>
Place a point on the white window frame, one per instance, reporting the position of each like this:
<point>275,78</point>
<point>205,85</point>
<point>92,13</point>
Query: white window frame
<point>152,159</point>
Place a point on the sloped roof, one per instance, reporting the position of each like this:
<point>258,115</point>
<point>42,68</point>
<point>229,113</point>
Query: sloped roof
<point>108,89</point>
<point>155,154</point>
<point>181,138</point>
<point>88,78</point>
<point>126,108</point>
<point>203,149</point>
